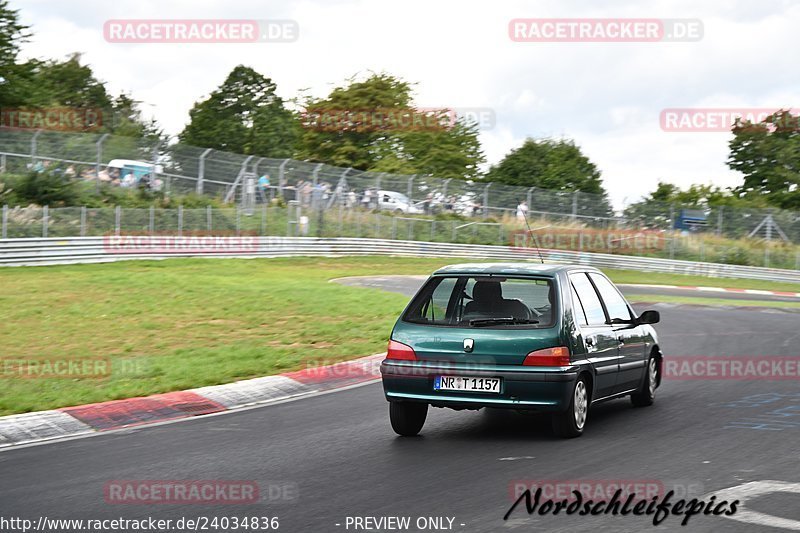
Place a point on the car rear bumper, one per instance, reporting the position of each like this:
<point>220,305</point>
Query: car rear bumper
<point>529,388</point>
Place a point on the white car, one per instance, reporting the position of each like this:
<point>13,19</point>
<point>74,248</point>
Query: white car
<point>397,202</point>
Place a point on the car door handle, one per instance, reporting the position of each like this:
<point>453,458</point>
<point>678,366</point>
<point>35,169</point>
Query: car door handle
<point>589,341</point>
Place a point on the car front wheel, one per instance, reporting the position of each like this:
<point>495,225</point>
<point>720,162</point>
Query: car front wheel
<point>570,423</point>
<point>407,418</point>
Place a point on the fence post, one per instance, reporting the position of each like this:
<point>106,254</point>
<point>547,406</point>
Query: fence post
<point>180,220</point>
<point>34,145</point>
<point>575,205</point>
<point>117,219</point>
<point>486,200</point>
<point>99,153</point>
<point>201,170</point>
<point>154,174</point>
<point>315,174</point>
<point>152,220</point>
<point>378,184</point>
<point>719,221</point>
<point>281,176</point>
<point>672,231</point>
<point>411,187</point>
<point>5,222</point>
<point>529,198</point>
<point>45,220</point>
<point>208,217</point>
<point>2,163</point>
<point>444,189</point>
<point>263,219</point>
<point>238,222</point>
<point>394,228</point>
<point>83,221</point>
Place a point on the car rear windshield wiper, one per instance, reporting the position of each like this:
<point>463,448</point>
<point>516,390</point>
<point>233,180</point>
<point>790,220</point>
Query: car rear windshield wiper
<point>478,322</point>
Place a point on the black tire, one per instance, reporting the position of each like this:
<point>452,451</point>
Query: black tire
<point>407,417</point>
<point>570,423</point>
<point>646,395</point>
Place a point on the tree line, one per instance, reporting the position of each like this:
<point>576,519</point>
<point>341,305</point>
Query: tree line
<point>372,123</point>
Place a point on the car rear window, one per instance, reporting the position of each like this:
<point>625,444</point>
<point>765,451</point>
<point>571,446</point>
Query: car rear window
<point>484,301</point>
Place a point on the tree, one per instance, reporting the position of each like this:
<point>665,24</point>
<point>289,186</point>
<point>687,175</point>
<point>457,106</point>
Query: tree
<point>243,115</point>
<point>768,154</point>
<point>67,83</point>
<point>548,164</point>
<point>555,165</point>
<point>374,125</point>
<point>12,35</point>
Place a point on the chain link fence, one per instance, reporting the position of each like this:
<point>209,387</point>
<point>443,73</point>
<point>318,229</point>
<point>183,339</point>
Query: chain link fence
<point>298,219</point>
<point>178,168</point>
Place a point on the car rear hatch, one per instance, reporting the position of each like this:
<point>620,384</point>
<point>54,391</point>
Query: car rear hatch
<point>481,318</point>
<point>489,346</point>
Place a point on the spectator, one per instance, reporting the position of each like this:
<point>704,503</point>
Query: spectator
<point>263,186</point>
<point>522,210</point>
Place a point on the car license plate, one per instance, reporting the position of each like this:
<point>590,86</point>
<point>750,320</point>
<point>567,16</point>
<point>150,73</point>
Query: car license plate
<point>465,383</point>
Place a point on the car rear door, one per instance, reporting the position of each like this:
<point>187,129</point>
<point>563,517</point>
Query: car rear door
<point>598,337</point>
<point>632,349</point>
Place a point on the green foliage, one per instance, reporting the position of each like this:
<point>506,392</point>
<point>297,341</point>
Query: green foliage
<point>768,154</point>
<point>42,188</point>
<point>548,164</point>
<point>557,165</point>
<point>377,138</point>
<point>12,35</point>
<point>53,190</point>
<point>245,116</point>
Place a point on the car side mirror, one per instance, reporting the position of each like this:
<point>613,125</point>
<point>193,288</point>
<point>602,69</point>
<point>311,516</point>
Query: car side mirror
<point>649,317</point>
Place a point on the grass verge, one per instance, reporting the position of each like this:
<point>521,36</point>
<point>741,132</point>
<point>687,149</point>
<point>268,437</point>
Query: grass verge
<point>714,302</point>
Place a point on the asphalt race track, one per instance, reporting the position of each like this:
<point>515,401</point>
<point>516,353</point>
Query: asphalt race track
<point>319,460</point>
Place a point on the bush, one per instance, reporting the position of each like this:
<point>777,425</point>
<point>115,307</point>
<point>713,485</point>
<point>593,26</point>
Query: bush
<point>43,188</point>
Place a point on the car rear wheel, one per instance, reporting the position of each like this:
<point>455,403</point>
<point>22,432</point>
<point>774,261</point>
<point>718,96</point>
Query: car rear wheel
<point>407,418</point>
<point>647,394</point>
<point>571,422</point>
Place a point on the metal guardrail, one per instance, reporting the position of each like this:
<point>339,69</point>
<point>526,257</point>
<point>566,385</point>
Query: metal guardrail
<point>70,250</point>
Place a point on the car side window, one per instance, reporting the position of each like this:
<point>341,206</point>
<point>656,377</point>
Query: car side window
<point>436,308</point>
<point>616,305</point>
<point>577,307</point>
<point>588,297</point>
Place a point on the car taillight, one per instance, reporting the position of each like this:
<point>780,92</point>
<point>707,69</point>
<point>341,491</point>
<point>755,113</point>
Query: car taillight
<point>398,350</point>
<point>548,357</point>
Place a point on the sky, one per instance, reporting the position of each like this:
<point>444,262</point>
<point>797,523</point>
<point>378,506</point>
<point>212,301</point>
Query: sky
<point>606,96</point>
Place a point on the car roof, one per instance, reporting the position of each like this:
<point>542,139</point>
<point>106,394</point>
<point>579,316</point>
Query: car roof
<point>547,269</point>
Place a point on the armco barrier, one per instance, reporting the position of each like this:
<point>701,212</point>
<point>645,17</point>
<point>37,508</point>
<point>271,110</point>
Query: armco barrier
<point>55,251</point>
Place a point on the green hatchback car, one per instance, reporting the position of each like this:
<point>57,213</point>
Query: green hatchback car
<point>544,338</point>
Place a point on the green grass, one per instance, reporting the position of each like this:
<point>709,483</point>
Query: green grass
<point>647,278</point>
<point>183,323</point>
<point>694,300</point>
